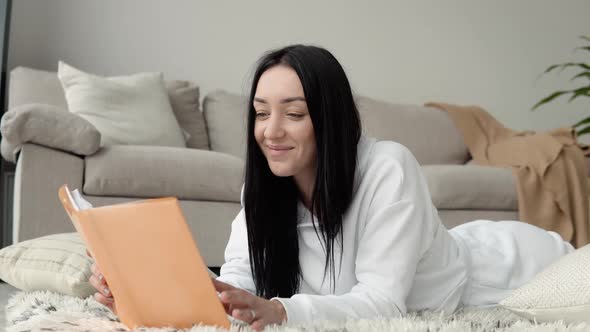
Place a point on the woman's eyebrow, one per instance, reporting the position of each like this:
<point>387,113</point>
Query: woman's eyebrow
<point>282,101</point>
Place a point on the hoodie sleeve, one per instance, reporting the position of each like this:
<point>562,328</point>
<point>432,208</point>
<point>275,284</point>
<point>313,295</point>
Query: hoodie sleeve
<point>394,238</point>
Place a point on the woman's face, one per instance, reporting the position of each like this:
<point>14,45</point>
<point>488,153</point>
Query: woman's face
<point>283,127</point>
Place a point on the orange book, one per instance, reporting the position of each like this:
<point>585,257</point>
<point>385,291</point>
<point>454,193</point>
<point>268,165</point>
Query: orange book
<point>151,262</point>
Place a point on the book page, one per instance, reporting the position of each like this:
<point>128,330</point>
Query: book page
<point>78,202</point>
<point>82,203</point>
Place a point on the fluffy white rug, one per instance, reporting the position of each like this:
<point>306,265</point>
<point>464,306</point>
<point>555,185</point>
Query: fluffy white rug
<point>46,311</point>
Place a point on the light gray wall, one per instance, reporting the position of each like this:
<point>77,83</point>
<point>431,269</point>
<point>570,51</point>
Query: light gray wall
<point>488,53</point>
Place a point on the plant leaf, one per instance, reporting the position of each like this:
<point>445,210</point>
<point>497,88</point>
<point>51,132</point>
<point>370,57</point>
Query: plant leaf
<point>566,65</point>
<point>587,38</point>
<point>550,98</point>
<point>583,48</point>
<point>581,122</point>
<point>583,131</point>
<point>550,68</point>
<point>582,74</point>
<point>584,91</point>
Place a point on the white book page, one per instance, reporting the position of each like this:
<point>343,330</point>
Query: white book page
<point>77,200</point>
<point>80,202</point>
<point>71,198</point>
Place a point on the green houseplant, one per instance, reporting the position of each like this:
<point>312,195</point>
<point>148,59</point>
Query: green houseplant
<point>583,72</point>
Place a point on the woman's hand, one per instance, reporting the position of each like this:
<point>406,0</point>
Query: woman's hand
<point>98,281</point>
<point>254,310</point>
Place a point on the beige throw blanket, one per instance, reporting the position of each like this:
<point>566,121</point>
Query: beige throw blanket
<point>550,169</point>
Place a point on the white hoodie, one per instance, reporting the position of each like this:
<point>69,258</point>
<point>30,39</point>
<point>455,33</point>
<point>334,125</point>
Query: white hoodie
<point>397,254</point>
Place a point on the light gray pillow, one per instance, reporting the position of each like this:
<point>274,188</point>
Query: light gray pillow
<point>560,292</point>
<point>49,126</point>
<point>132,110</point>
<point>56,263</point>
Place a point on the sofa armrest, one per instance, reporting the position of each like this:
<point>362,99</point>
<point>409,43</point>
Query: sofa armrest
<point>40,171</point>
<point>49,126</point>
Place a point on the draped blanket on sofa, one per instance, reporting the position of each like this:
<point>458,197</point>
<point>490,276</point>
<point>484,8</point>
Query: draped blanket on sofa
<point>550,169</point>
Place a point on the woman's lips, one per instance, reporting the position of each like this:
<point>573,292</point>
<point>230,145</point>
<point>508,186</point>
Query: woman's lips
<point>278,151</point>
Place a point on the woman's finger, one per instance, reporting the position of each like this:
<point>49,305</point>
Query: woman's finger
<point>221,286</point>
<point>227,307</point>
<point>244,314</point>
<point>108,301</point>
<point>97,282</point>
<point>96,271</point>
<point>258,325</point>
<point>100,286</point>
<point>238,298</point>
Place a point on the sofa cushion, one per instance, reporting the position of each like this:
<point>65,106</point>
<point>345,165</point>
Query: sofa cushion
<point>155,171</point>
<point>28,85</point>
<point>471,187</point>
<point>428,132</point>
<point>226,117</point>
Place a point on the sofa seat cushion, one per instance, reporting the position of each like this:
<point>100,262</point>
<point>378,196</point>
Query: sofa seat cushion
<point>471,187</point>
<point>157,171</point>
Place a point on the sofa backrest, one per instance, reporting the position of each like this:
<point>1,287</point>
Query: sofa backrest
<point>225,115</point>
<point>429,133</point>
<point>29,85</point>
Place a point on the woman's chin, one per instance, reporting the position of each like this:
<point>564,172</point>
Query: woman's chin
<point>281,171</point>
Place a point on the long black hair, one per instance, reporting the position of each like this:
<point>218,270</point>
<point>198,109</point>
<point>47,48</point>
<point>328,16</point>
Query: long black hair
<point>270,202</point>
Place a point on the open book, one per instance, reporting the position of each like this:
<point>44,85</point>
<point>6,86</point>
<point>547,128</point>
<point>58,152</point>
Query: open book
<point>150,260</point>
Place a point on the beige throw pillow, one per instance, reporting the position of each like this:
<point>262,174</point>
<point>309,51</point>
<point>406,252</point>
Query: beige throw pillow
<point>184,98</point>
<point>560,292</point>
<point>49,126</point>
<point>55,263</point>
<point>133,110</point>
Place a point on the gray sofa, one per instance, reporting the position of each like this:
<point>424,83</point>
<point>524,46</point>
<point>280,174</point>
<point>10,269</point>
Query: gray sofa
<point>207,176</point>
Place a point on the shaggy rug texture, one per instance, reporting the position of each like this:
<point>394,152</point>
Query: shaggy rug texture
<point>46,311</point>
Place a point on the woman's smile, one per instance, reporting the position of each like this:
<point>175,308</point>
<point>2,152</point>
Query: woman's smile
<point>278,150</point>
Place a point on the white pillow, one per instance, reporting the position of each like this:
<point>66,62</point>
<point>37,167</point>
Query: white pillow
<point>132,110</point>
<point>560,292</point>
<point>56,263</point>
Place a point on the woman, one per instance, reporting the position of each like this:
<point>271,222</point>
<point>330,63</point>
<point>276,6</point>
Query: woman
<point>335,225</point>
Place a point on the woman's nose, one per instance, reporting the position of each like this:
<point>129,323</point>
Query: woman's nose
<point>274,127</point>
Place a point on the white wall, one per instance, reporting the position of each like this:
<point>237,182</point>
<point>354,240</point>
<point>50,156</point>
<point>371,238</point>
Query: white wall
<point>488,53</point>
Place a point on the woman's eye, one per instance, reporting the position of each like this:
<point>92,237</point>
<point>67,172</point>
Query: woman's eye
<point>295,115</point>
<point>261,114</point>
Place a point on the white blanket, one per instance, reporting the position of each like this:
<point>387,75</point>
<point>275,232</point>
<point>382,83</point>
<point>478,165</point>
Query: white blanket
<point>46,311</point>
